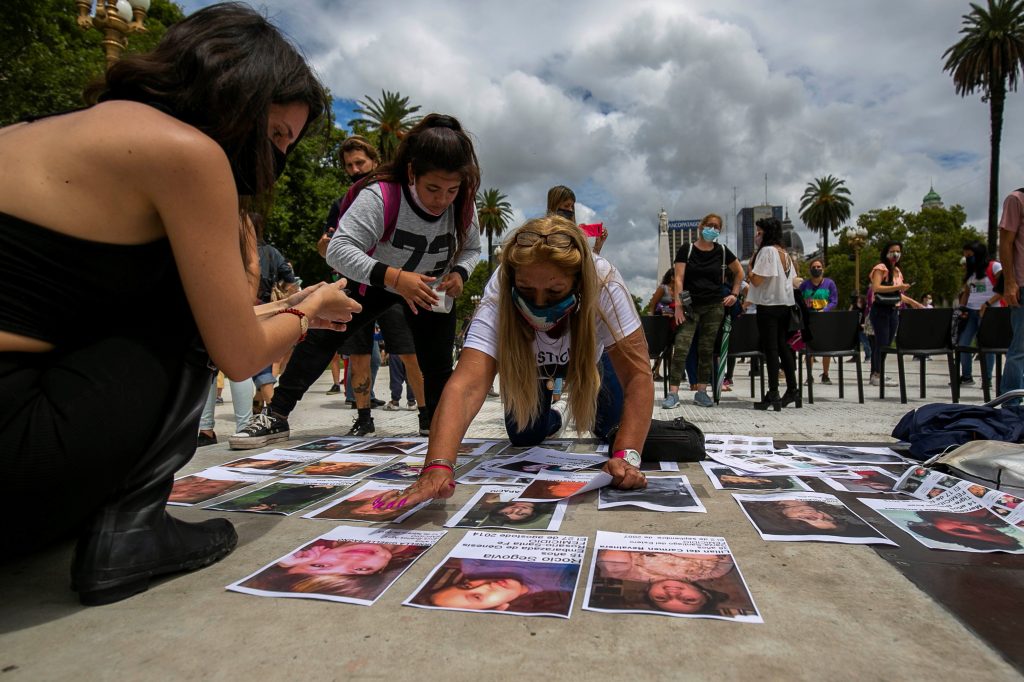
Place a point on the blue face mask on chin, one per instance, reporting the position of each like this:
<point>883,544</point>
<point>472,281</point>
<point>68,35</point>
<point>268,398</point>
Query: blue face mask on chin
<point>544,318</point>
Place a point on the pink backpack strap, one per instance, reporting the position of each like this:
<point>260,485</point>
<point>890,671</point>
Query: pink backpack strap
<point>391,194</point>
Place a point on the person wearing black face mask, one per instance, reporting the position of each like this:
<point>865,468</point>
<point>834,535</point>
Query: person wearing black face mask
<point>885,296</point>
<point>820,296</point>
<point>204,117</point>
<point>562,202</point>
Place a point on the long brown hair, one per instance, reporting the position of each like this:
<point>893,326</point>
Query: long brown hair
<point>219,70</point>
<point>439,143</point>
<point>516,360</point>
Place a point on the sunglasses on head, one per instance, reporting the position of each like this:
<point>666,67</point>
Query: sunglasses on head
<point>556,240</point>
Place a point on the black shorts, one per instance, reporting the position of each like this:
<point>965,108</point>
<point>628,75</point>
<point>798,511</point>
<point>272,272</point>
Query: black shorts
<point>394,329</point>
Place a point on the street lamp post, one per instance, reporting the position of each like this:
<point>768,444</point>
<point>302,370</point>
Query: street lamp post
<point>115,19</point>
<point>858,237</point>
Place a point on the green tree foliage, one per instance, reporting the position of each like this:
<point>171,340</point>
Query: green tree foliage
<point>494,212</point>
<point>46,60</point>
<point>464,304</point>
<point>825,206</point>
<point>312,181</point>
<point>988,57</point>
<point>932,241</point>
<point>390,117</point>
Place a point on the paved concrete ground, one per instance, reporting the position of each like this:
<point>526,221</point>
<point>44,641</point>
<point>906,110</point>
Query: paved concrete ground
<point>831,611</point>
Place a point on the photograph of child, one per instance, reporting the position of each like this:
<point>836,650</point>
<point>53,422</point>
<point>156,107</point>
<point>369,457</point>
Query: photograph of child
<point>275,465</point>
<point>196,488</point>
<point>671,584</point>
<point>821,518</point>
<point>497,507</point>
<point>971,531</point>
<point>512,587</point>
<point>282,497</point>
<point>353,569</point>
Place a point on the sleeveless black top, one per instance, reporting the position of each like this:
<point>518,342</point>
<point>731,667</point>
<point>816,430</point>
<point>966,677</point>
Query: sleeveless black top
<point>66,290</point>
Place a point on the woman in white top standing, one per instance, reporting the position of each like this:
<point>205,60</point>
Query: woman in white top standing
<point>771,290</point>
<point>978,289</point>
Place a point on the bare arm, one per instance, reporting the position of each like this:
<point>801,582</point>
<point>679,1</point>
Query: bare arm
<point>679,276</point>
<point>463,396</point>
<point>203,234</point>
<point>1011,292</point>
<point>629,359</point>
<point>654,300</point>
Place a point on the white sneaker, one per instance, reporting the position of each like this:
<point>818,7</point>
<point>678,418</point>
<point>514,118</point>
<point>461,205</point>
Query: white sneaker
<point>559,407</point>
<point>889,381</point>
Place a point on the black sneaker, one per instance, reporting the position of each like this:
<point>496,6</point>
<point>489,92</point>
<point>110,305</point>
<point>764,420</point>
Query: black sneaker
<point>424,424</point>
<point>361,427</point>
<point>374,403</point>
<point>825,379</point>
<point>261,430</point>
<point>335,389</point>
<point>350,404</point>
<point>205,440</point>
<point>966,381</point>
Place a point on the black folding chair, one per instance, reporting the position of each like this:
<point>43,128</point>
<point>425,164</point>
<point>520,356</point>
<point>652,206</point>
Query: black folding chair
<point>922,332</point>
<point>744,342</point>
<point>658,332</point>
<point>993,338</point>
<point>833,335</point>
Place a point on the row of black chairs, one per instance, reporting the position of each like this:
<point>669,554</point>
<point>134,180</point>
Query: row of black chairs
<point>922,333</point>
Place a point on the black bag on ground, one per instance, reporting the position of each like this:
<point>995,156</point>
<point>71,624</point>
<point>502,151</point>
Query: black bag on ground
<point>676,441</point>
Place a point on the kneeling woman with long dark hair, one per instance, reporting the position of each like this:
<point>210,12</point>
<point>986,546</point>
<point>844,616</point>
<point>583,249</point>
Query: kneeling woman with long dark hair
<point>121,268</point>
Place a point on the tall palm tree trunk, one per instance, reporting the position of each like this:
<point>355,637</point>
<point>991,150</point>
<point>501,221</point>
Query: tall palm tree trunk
<point>996,102</point>
<point>824,246</point>
<point>490,256</point>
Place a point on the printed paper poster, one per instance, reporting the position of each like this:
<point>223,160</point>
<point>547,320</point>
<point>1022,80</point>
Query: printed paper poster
<point>285,496</point>
<point>358,506</point>
<point>346,564</point>
<point>684,576</point>
<point>802,517</point>
<point>271,463</point>
<point>517,575</point>
<point>208,484</point>
<point>343,465</point>
<point>871,480</point>
<point>408,469</point>
<point>665,493</point>
<point>847,454</point>
<point>546,487</point>
<point>496,506</point>
<point>977,530</point>
<point>727,478</point>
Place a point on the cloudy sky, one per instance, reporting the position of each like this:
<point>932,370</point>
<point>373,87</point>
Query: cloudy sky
<point>643,104</point>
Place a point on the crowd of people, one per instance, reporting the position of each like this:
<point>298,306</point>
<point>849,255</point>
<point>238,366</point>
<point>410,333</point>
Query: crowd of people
<point>211,114</point>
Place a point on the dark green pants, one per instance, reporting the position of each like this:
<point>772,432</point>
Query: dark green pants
<point>705,324</point>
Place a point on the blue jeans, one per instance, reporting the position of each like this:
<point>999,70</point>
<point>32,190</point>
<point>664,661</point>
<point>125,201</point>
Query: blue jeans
<point>1013,374</point>
<point>968,330</point>
<point>242,393</point>
<point>609,411</point>
<point>398,378</point>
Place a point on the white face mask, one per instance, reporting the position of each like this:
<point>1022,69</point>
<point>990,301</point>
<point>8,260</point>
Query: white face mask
<point>416,200</point>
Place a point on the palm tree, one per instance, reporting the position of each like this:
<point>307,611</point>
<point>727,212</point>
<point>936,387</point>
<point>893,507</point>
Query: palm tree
<point>494,213</point>
<point>391,116</point>
<point>824,206</point>
<point>988,58</point>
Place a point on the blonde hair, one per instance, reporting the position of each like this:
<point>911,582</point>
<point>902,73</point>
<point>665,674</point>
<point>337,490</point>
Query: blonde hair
<point>516,361</point>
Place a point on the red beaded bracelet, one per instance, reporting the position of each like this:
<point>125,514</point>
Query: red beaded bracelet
<point>437,466</point>
<point>303,322</point>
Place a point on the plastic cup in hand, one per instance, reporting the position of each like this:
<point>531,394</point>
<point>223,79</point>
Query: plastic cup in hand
<point>444,301</point>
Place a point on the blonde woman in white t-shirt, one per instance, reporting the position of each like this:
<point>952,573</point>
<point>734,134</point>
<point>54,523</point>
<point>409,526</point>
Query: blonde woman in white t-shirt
<point>771,290</point>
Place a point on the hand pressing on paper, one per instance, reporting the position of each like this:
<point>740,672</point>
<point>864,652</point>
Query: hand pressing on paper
<point>624,475</point>
<point>433,484</point>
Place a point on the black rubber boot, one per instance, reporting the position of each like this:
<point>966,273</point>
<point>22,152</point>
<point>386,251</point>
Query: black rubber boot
<point>132,538</point>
